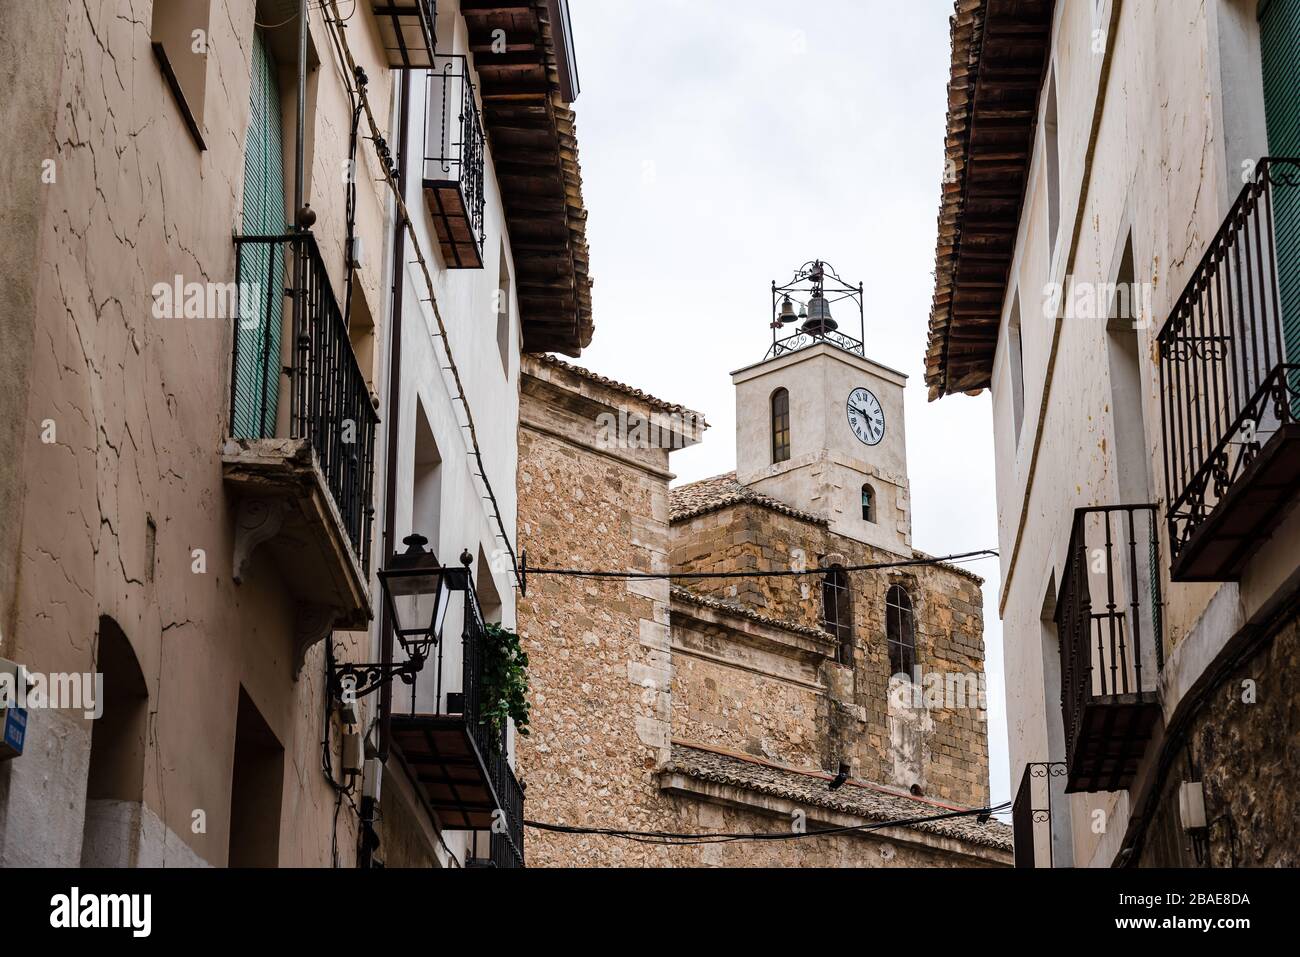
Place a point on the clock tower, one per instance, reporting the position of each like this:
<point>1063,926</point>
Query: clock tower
<point>819,425</point>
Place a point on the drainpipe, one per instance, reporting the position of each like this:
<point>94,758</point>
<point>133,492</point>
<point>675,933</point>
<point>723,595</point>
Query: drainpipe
<point>394,411</point>
<point>302,222</point>
<point>299,147</point>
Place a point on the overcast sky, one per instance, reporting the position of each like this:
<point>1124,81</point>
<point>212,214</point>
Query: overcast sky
<point>723,145</point>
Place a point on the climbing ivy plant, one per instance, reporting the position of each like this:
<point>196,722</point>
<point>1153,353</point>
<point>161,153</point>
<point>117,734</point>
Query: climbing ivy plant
<point>505,682</point>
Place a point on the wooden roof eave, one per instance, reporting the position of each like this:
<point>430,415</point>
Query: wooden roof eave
<point>998,63</point>
<point>534,145</point>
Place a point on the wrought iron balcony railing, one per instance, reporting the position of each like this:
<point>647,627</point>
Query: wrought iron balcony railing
<point>447,742</point>
<point>1230,383</point>
<point>507,840</point>
<point>454,157</point>
<point>1031,815</point>
<point>329,403</point>
<point>1108,618</point>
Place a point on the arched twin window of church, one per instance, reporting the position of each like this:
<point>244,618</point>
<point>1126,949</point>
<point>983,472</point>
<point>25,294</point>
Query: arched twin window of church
<point>780,426</point>
<point>868,504</point>
<point>837,611</point>
<point>900,631</point>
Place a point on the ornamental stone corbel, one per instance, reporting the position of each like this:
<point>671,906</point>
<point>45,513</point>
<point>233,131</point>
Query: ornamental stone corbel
<point>312,625</point>
<point>257,520</point>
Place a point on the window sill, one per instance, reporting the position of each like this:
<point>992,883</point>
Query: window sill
<point>174,84</point>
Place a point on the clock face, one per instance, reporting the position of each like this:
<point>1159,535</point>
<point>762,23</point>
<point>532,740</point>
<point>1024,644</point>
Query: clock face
<point>866,417</point>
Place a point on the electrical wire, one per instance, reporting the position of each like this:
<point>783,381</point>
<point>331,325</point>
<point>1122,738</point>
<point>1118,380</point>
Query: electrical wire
<point>686,840</point>
<point>779,573</point>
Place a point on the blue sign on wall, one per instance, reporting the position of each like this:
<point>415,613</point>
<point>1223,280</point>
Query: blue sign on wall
<point>15,731</point>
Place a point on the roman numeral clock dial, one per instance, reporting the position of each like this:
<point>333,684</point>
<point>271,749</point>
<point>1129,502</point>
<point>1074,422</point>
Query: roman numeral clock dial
<point>866,417</point>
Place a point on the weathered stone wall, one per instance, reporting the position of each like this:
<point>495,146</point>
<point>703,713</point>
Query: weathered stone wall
<point>725,706</point>
<point>1244,746</point>
<point>620,669</point>
<point>600,662</point>
<point>943,750</point>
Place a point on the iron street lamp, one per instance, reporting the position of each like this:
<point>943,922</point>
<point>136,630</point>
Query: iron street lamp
<point>418,592</point>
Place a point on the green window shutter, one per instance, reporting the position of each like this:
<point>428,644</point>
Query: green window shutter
<point>262,266</point>
<point>1279,30</point>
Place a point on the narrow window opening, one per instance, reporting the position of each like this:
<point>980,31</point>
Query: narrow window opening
<point>1127,412</point>
<point>1016,360</point>
<point>780,426</point>
<point>179,37</point>
<point>868,504</point>
<point>503,312</point>
<point>900,631</point>
<point>837,611</point>
<point>426,485</point>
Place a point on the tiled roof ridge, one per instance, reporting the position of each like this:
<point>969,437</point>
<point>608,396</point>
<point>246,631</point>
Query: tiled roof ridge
<point>726,491</point>
<point>860,798</point>
<point>654,402</point>
<point>949,566</point>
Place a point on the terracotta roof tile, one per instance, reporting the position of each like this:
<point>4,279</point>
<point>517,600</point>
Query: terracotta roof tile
<point>708,495</point>
<point>874,802</point>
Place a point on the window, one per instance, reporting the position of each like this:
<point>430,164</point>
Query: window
<point>503,312</point>
<point>837,613</point>
<point>868,504</point>
<point>900,631</point>
<point>259,365</point>
<point>1016,361</point>
<point>179,36</point>
<point>1053,146</point>
<point>426,483</point>
<point>780,426</point>
<point>1127,412</point>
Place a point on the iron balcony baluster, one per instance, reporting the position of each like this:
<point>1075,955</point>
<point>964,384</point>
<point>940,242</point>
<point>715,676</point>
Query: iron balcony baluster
<point>1108,692</point>
<point>1229,390</point>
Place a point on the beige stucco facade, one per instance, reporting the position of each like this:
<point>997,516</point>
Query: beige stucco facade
<point>117,519</point>
<point>202,560</point>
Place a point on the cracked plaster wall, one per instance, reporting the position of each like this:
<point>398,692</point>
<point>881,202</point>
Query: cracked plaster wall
<point>139,408</point>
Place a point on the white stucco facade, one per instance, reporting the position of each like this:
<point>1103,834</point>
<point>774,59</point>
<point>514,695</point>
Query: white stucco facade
<point>438,491</point>
<point>1159,106</point>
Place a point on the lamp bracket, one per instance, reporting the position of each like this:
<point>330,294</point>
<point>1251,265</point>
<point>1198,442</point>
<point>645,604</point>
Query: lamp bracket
<point>361,680</point>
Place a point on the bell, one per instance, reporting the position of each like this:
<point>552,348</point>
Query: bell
<point>787,315</point>
<point>819,321</point>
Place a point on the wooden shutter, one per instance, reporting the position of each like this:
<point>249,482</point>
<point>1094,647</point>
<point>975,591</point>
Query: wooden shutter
<point>257,369</point>
<point>1279,30</point>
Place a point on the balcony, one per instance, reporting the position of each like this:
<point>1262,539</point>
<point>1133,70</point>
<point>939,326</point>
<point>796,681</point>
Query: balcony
<point>441,736</point>
<point>1037,834</point>
<point>406,32</point>
<point>453,163</point>
<point>298,462</point>
<point>1230,384</point>
<point>1109,626</point>
<point>505,845</point>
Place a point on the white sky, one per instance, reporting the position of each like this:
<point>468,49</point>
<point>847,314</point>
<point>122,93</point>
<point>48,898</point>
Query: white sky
<point>723,145</point>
